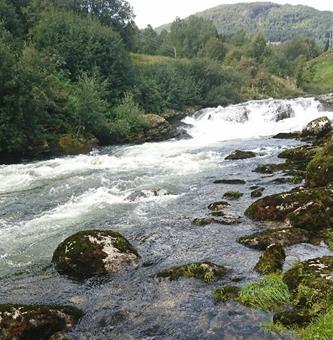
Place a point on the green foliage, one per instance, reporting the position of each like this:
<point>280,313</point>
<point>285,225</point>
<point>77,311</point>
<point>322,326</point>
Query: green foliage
<point>321,329</point>
<point>127,118</point>
<point>84,45</point>
<point>269,294</point>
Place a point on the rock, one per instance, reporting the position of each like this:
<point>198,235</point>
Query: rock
<point>230,181</point>
<point>285,237</point>
<point>226,293</point>
<point>205,271</point>
<point>220,205</point>
<point>225,218</point>
<point>239,154</point>
<point>70,144</point>
<point>157,129</point>
<point>269,169</point>
<point>317,128</point>
<point>257,192</point>
<point>137,195</point>
<point>326,100</point>
<point>319,171</point>
<point>182,134</point>
<point>310,209</point>
<point>299,154</point>
<point>287,135</point>
<point>93,252</point>
<point>272,260</point>
<point>233,195</point>
<point>284,112</point>
<point>36,321</point>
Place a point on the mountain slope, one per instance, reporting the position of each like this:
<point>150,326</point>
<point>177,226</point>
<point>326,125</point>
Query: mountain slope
<point>277,22</point>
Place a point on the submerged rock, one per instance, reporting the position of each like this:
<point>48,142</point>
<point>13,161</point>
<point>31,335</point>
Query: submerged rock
<point>205,271</point>
<point>272,260</point>
<point>239,154</point>
<point>36,321</point>
<point>257,192</point>
<point>287,135</point>
<point>226,293</point>
<point>285,237</point>
<point>229,181</point>
<point>317,128</point>
<point>310,209</point>
<point>233,195</point>
<point>224,217</point>
<point>93,252</point>
<point>216,206</point>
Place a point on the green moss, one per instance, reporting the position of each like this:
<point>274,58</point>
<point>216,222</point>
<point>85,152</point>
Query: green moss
<point>272,260</point>
<point>311,209</point>
<point>71,145</point>
<point>283,236</point>
<point>233,195</point>
<point>302,153</point>
<point>269,294</point>
<point>226,293</point>
<point>205,271</point>
<point>230,181</point>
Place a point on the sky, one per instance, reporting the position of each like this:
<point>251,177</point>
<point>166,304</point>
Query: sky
<point>159,12</point>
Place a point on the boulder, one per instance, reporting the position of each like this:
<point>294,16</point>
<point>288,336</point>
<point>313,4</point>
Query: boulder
<point>317,128</point>
<point>36,321</point>
<point>287,135</point>
<point>310,209</point>
<point>326,100</point>
<point>156,129</point>
<point>284,236</point>
<point>93,252</point>
<point>220,205</point>
<point>204,271</point>
<point>284,112</point>
<point>70,144</point>
<point>239,154</point>
<point>272,260</point>
<point>256,193</point>
<point>299,154</point>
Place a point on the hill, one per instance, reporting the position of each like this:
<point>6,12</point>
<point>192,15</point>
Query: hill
<point>318,74</point>
<point>277,22</point>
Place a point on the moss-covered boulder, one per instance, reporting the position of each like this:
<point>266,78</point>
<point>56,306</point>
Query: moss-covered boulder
<point>230,181</point>
<point>287,135</point>
<point>36,322</point>
<point>224,217</point>
<point>311,285</point>
<point>299,154</point>
<point>239,154</point>
<point>93,252</point>
<point>285,237</point>
<point>317,128</point>
<point>319,171</point>
<point>258,192</point>
<point>204,271</point>
<point>220,205</point>
<point>272,260</point>
<point>233,195</point>
<point>310,209</point>
<point>155,129</point>
<point>70,144</point>
<point>226,293</point>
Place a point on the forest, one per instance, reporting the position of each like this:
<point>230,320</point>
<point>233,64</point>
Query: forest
<point>73,70</point>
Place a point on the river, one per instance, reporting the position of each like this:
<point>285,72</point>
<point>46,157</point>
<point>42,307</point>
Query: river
<point>150,193</point>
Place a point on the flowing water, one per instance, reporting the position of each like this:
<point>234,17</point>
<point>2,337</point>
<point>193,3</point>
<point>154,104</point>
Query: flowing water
<point>150,193</point>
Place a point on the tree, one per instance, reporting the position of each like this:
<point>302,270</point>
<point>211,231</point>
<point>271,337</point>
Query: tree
<point>215,49</point>
<point>257,47</point>
<point>83,44</point>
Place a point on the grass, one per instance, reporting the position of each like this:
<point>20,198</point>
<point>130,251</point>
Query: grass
<point>321,329</point>
<point>268,294</point>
